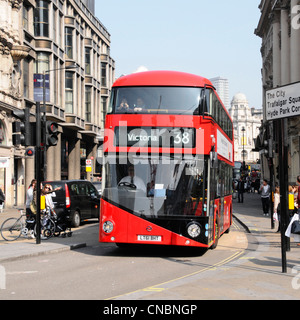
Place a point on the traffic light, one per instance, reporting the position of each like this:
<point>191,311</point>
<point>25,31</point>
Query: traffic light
<point>18,133</point>
<point>22,128</point>
<point>51,133</point>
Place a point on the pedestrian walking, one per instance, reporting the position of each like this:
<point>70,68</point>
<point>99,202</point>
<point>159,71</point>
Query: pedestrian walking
<point>298,195</point>
<point>276,215</point>
<point>2,199</point>
<point>265,191</point>
<point>241,190</point>
<point>293,192</point>
<point>298,203</point>
<point>47,193</point>
<point>29,199</point>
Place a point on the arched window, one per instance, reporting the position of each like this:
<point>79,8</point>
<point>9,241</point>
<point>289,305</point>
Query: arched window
<point>244,154</point>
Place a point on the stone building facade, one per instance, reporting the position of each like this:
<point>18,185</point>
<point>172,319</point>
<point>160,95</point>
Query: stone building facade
<point>246,124</point>
<point>12,52</point>
<point>63,40</point>
<point>279,29</point>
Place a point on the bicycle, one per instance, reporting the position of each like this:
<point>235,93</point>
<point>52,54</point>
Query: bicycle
<point>12,228</point>
<point>48,225</point>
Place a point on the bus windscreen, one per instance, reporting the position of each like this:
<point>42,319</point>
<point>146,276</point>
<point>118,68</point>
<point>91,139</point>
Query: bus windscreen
<point>156,100</point>
<point>158,187</point>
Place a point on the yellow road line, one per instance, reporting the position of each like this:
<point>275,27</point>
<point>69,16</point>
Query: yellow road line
<point>236,225</point>
<point>152,289</point>
<point>159,287</point>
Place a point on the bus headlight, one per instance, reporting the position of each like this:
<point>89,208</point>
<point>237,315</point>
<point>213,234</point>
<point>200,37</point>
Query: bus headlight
<point>108,227</point>
<point>194,229</point>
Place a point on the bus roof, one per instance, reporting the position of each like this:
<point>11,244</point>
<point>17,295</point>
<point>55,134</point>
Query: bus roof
<point>162,78</point>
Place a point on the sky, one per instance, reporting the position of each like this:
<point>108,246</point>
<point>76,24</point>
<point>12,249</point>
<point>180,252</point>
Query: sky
<point>208,38</point>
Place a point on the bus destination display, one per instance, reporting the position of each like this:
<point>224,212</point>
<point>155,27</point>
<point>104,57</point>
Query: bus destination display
<point>155,137</point>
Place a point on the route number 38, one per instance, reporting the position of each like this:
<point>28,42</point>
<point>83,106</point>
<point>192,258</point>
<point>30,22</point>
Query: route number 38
<point>182,138</point>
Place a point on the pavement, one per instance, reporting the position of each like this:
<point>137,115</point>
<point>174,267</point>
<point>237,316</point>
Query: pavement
<point>257,274</point>
<point>26,248</point>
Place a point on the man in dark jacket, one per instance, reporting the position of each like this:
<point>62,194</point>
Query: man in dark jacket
<point>265,193</point>
<point>241,190</point>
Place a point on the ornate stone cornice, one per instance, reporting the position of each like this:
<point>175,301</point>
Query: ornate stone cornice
<point>19,52</point>
<point>15,4</point>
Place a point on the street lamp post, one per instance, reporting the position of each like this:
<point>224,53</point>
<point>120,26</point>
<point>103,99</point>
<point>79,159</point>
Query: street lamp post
<point>38,174</point>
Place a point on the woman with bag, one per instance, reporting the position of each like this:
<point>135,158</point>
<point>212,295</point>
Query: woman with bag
<point>47,193</point>
<point>294,226</point>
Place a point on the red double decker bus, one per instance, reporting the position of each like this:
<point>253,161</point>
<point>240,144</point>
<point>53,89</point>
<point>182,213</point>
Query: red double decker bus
<point>167,165</point>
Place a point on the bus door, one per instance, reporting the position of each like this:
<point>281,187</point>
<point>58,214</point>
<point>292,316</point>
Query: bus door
<point>213,199</point>
<point>222,179</point>
<point>198,196</point>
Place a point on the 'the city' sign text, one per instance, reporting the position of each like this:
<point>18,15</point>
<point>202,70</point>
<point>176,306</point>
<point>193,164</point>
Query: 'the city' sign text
<point>283,102</point>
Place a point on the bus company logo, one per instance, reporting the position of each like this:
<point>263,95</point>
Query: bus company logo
<point>149,229</point>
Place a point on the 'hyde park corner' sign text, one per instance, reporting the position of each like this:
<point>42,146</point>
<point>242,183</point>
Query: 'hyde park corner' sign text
<point>283,102</point>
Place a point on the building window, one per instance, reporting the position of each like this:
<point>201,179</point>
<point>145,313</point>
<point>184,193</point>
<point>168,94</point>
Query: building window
<point>103,75</point>
<point>244,155</point>
<point>54,24</point>
<point>104,110</point>
<point>55,80</point>
<point>25,17</point>
<point>42,62</point>
<point>69,93</point>
<point>88,61</point>
<point>88,104</point>
<point>26,80</point>
<point>60,30</point>
<point>69,42</point>
<point>41,19</point>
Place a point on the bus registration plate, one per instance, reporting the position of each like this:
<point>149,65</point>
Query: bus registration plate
<point>150,238</point>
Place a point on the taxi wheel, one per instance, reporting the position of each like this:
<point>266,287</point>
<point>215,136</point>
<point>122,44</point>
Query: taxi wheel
<point>76,219</point>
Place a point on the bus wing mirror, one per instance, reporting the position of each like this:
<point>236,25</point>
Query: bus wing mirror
<point>213,160</point>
